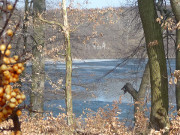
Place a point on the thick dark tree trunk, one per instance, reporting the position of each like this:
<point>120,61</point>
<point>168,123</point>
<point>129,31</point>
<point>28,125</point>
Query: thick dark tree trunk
<point>38,74</point>
<point>176,10</point>
<point>157,64</point>
<point>178,68</point>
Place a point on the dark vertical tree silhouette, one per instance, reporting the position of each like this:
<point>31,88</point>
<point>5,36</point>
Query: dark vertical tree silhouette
<point>38,74</point>
<point>157,64</point>
<point>176,10</point>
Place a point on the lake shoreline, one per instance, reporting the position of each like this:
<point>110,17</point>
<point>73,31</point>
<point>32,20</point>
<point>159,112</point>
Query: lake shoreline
<point>53,61</point>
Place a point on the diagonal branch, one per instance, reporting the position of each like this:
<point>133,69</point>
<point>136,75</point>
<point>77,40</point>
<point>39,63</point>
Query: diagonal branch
<point>129,88</point>
<point>51,22</point>
<point>139,95</point>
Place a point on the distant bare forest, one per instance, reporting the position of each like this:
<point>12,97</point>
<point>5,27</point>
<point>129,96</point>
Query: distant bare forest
<point>97,34</point>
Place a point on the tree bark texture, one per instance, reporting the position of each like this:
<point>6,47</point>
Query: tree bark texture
<point>175,4</point>
<point>38,74</point>
<point>68,94</point>
<point>24,23</point>
<point>16,122</point>
<point>139,97</point>
<point>157,64</point>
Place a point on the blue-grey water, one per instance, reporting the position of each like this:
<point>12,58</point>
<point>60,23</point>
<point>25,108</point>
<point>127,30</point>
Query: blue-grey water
<point>93,87</point>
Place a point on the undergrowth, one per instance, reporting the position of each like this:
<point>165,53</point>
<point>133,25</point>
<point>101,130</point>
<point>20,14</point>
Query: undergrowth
<point>103,122</point>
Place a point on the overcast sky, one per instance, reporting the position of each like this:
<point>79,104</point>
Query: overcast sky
<point>88,4</point>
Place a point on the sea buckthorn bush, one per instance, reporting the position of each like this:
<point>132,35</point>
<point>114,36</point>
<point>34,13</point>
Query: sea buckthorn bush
<point>10,69</point>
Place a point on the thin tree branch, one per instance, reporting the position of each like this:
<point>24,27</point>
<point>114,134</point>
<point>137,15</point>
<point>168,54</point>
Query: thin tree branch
<point>51,22</point>
<point>8,19</point>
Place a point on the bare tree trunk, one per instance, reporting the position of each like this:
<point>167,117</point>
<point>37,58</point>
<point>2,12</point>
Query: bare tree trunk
<point>139,97</point>
<point>176,10</point>
<point>178,68</point>
<point>68,94</point>
<point>157,64</point>
<point>16,122</point>
<point>24,23</point>
<point>38,74</point>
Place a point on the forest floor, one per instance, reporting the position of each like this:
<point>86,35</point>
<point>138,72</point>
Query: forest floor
<point>102,122</point>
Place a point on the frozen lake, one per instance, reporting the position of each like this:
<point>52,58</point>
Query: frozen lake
<point>96,83</point>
